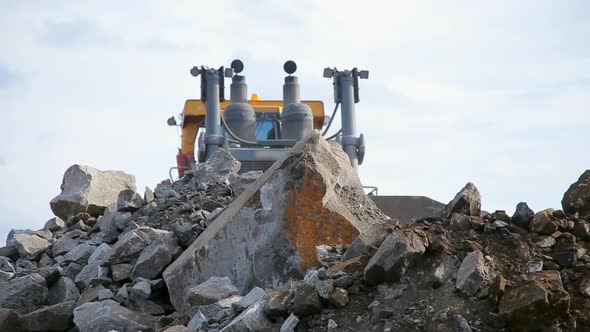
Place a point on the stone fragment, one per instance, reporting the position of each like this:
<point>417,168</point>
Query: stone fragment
<point>460,222</point>
<point>467,202</point>
<point>23,294</point>
<point>9,252</point>
<point>584,287</point>
<point>63,245</point>
<point>270,233</point>
<point>198,322</point>
<point>394,256</point>
<point>240,182</point>
<point>72,269</point>
<point>566,256</point>
<point>109,315</point>
<point>141,290</point>
<point>105,294</point>
<point>148,195</point>
<point>79,253</point>
<point>545,242</point>
<point>356,264</point>
<point>79,225</point>
<point>218,168</point>
<point>130,245</point>
<point>523,215</point>
<point>290,324</point>
<point>462,324</point>
<point>339,298</point>
<point>542,223</point>
<point>472,273</point>
<point>256,295</point>
<point>129,201</point>
<point>535,304</point>
<point>30,246</point>
<point>6,265</point>
<point>304,299</point>
<point>211,291</point>
<point>86,189</point>
<point>121,272</point>
<point>156,257</point>
<point>324,288</point>
<point>276,306</point>
<point>251,319</point>
<point>63,290</point>
<point>57,317</point>
<point>55,224</point>
<point>178,328</point>
<point>581,230</point>
<point>577,197</point>
<point>332,325</point>
<point>10,321</point>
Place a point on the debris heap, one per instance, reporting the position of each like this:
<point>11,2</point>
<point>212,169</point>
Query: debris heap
<point>298,248</point>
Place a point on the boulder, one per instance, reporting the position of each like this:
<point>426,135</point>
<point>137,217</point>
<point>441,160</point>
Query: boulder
<point>63,245</point>
<point>30,246</point>
<point>63,290</point>
<point>472,273</point>
<point>536,303</point>
<point>211,291</point>
<point>121,272</point>
<point>57,317</point>
<point>218,168</point>
<point>577,197</point>
<point>23,294</point>
<point>55,224</point>
<point>79,253</point>
<point>467,202</point>
<point>523,215</point>
<point>460,222</point>
<point>542,223</point>
<point>86,189</point>
<point>141,290</point>
<point>109,315</point>
<point>131,244</point>
<point>312,196</point>
<point>156,257</point>
<point>129,201</point>
<point>394,256</point>
<point>10,321</point>
<point>251,319</point>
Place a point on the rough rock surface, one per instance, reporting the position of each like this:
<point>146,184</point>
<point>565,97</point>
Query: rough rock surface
<point>57,317</point>
<point>467,202</point>
<point>523,215</point>
<point>310,197</point>
<point>23,294</point>
<point>109,315</point>
<point>577,197</point>
<point>30,246</point>
<point>211,291</point>
<point>87,189</point>
<point>472,273</point>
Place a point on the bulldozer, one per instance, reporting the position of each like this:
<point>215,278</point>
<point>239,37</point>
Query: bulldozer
<point>260,132</point>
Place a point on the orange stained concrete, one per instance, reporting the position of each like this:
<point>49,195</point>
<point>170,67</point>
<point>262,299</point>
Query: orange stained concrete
<point>311,224</point>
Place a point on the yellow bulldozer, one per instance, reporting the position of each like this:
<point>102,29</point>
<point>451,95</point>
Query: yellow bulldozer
<point>259,132</point>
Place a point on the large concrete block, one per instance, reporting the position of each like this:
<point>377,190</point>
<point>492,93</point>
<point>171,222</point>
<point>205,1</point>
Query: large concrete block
<point>268,234</point>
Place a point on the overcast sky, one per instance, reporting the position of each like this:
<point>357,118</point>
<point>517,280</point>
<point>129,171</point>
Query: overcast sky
<point>493,92</point>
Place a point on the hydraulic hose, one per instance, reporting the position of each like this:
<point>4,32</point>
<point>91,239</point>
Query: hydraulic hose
<point>331,119</point>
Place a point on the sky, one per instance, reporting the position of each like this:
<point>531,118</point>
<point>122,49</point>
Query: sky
<point>492,92</point>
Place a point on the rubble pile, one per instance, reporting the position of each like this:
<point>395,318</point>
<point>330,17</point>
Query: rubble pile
<point>298,248</point>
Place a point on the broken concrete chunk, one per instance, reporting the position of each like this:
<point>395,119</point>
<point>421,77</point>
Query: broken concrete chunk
<point>86,189</point>
<point>394,256</point>
<point>30,246</point>
<point>211,291</point>
<point>109,315</point>
<point>24,294</point>
<point>472,273</point>
<point>577,197</point>
<point>467,202</point>
<point>57,317</point>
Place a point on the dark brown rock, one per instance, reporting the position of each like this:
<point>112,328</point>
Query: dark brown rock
<point>577,197</point>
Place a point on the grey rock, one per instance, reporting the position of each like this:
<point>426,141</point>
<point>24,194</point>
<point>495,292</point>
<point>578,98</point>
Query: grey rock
<point>304,299</point>
<point>472,273</point>
<point>79,253</point>
<point>250,320</point>
<point>9,252</point>
<point>211,291</point>
<point>50,273</point>
<point>141,290</point>
<point>462,324</point>
<point>90,294</point>
<point>276,306</point>
<point>324,288</point>
<point>331,324</point>
<point>10,321</point>
<point>523,215</point>
<point>460,222</point>
<point>122,294</point>
<point>55,224</point>
<point>240,182</point>
<point>5,276</point>
<point>256,295</point>
<point>79,225</point>
<point>86,189</point>
<point>45,260</point>
<point>584,287</point>
<point>30,246</point>
<point>394,256</point>
<point>63,290</point>
<point>148,195</point>
<point>156,257</point>
<point>63,245</point>
<point>545,242</point>
<point>577,197</point>
<point>72,270</point>
<point>290,324</point>
<point>109,315</point>
<point>131,244</point>
<point>467,202</point>
<point>121,272</point>
<point>24,294</point>
<point>198,322</point>
<point>99,253</point>
<point>178,328</point>
<point>218,168</point>
<point>387,293</point>
<point>6,265</point>
<point>25,264</point>
<point>105,294</point>
<point>57,317</point>
<point>129,201</point>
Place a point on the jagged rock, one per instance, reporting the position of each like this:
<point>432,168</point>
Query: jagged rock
<point>332,325</point>
<point>129,201</point>
<point>6,265</point>
<point>467,202</point>
<point>148,195</point>
<point>581,230</point>
<point>94,271</point>
<point>240,182</point>
<point>72,270</point>
<point>25,264</point>
<point>257,294</point>
<point>57,317</point>
<point>523,215</point>
<point>304,299</point>
<point>156,256</point>
<point>63,290</point>
<point>131,244</point>
<point>198,322</point>
<point>251,319</point>
<point>290,324</point>
<point>211,291</point>
<point>50,273</point>
<point>121,272</point>
<point>55,224</point>
<point>545,242</point>
<point>443,271</point>
<point>356,264</point>
<point>79,225</point>
<point>86,189</point>
<point>105,294</point>
<point>339,298</point>
<point>9,252</point>
<point>178,328</point>
<point>577,197</point>
<point>276,306</point>
<point>460,222</point>
<point>89,294</point>
<point>566,256</point>
<point>270,232</point>
<point>79,253</point>
<point>462,324</point>
<point>10,321</point>
<point>30,246</point>
<point>324,288</point>
<point>218,168</point>
<point>45,260</point>
<point>109,315</point>
<point>63,245</point>
<point>542,223</point>
<point>536,303</point>
<point>23,294</point>
<point>387,293</point>
<point>394,256</point>
<point>141,290</point>
<point>472,273</point>
<point>122,294</point>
